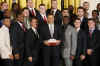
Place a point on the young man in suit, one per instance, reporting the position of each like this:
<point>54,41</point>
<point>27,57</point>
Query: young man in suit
<point>55,12</point>
<point>70,42</point>
<point>81,43</point>
<point>32,42</point>
<point>32,10</point>
<point>93,45</point>
<point>42,17</point>
<point>50,38</point>
<point>5,44</point>
<point>18,31</point>
<point>84,20</point>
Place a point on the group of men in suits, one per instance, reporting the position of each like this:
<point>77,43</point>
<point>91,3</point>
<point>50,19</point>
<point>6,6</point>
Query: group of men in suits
<point>49,37</point>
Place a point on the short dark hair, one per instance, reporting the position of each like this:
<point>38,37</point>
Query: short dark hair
<point>64,9</point>
<point>91,19</point>
<point>50,14</point>
<point>95,11</point>
<point>25,9</point>
<point>5,18</point>
<point>41,5</point>
<point>19,13</point>
<point>34,17</point>
<point>85,2</point>
<point>81,8</point>
<point>77,19</point>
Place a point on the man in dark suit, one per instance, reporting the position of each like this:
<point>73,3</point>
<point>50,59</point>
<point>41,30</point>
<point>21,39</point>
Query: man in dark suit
<point>18,36</point>
<point>55,12</point>
<point>32,10</point>
<point>50,37</point>
<point>81,44</point>
<point>93,45</point>
<point>84,20</point>
<point>32,43</point>
<point>42,17</point>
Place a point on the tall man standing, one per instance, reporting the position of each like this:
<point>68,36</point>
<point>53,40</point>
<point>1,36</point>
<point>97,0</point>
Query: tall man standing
<point>93,43</point>
<point>18,39</point>
<point>5,44</point>
<point>51,37</point>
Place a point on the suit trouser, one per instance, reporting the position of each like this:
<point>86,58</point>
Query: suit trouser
<point>92,60</point>
<point>7,62</point>
<point>51,56</point>
<point>68,61</point>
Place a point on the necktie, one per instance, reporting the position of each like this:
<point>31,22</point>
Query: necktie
<point>51,30</point>
<point>23,27</point>
<point>36,33</point>
<point>33,12</point>
<point>90,33</point>
<point>45,19</point>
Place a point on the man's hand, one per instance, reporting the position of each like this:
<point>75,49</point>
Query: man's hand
<point>82,57</point>
<point>46,43</point>
<point>89,51</point>
<point>17,56</point>
<point>58,42</point>
<point>11,57</point>
<point>72,57</point>
<point>30,59</point>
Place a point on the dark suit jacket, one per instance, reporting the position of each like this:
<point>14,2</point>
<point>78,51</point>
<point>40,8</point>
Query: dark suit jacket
<point>17,37</point>
<point>31,43</point>
<point>84,24</point>
<point>45,33</point>
<point>94,42</point>
<point>81,43</point>
<point>1,15</point>
<point>40,20</point>
<point>36,11</point>
<point>58,18</point>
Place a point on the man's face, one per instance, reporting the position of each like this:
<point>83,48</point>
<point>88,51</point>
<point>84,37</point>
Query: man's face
<point>86,6</point>
<point>54,4</point>
<point>65,13</point>
<point>98,7</point>
<point>26,13</point>
<point>34,23</point>
<point>7,22</point>
<point>66,20</point>
<point>77,23</point>
<point>80,12</point>
<point>42,9</point>
<point>51,19</point>
<point>4,6</point>
<point>30,4</point>
<point>20,18</point>
<point>91,24</point>
<point>94,14</point>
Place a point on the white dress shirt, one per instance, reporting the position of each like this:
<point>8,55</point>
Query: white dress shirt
<point>5,47</point>
<point>51,28</point>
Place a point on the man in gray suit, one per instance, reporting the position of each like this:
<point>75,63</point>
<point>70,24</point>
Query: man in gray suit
<point>70,42</point>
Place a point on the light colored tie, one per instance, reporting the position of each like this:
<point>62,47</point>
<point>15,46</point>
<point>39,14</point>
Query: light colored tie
<point>51,30</point>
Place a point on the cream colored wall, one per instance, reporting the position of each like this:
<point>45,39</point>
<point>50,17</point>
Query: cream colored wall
<point>93,4</point>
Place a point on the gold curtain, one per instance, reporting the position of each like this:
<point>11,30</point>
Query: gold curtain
<point>22,3</point>
<point>75,3</point>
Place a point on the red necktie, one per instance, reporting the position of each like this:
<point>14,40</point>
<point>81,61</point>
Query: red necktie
<point>45,19</point>
<point>33,13</point>
<point>23,27</point>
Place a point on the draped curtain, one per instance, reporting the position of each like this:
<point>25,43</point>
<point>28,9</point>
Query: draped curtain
<point>22,3</point>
